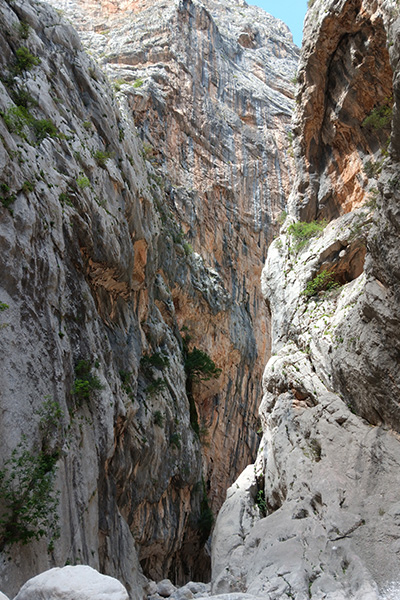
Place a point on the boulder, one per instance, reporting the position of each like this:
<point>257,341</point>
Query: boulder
<point>182,593</point>
<point>72,583</point>
<point>198,588</point>
<point>165,588</point>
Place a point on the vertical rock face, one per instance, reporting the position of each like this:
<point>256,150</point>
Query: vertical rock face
<point>98,278</point>
<point>208,86</point>
<point>343,75</point>
<point>316,515</point>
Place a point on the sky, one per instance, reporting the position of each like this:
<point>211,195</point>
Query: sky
<point>292,12</point>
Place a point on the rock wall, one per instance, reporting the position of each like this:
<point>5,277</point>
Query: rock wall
<point>316,516</point>
<point>98,282</point>
<point>83,273</point>
<point>209,88</point>
<point>344,74</point>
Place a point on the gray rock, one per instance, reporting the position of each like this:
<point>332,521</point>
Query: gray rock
<point>197,587</point>
<point>165,588</point>
<point>151,587</point>
<point>182,593</point>
<point>314,516</point>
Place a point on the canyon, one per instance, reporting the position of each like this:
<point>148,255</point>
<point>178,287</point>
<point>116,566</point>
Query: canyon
<point>186,199</point>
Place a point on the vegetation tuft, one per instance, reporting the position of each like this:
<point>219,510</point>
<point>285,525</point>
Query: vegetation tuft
<point>175,440</point>
<point>83,182</point>
<point>261,503</point>
<point>44,128</point>
<point>157,360</point>
<point>25,60</point>
<point>102,157</point>
<point>19,120</point>
<point>302,232</point>
<point>380,117</point>
<point>85,382</point>
<point>324,281</point>
<point>28,500</point>
<point>155,386</point>
<point>158,418</point>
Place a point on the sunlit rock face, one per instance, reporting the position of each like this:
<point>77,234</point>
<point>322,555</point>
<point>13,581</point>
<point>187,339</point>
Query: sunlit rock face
<point>316,516</point>
<point>209,88</point>
<point>344,74</point>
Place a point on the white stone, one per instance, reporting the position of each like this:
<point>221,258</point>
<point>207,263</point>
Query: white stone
<point>3,596</point>
<point>72,583</point>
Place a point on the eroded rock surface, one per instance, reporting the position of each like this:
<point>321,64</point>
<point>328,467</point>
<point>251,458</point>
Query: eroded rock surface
<point>316,516</point>
<point>99,279</point>
<point>344,74</point>
<point>86,280</point>
<point>209,87</point>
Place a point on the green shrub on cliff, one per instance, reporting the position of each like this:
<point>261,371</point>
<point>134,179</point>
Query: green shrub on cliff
<point>28,501</point>
<point>303,231</point>
<point>25,60</point>
<point>199,366</point>
<point>380,117</point>
<point>85,382</point>
<point>324,281</point>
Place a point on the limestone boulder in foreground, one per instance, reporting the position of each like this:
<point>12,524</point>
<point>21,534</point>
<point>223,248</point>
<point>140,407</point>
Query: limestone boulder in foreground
<point>72,583</point>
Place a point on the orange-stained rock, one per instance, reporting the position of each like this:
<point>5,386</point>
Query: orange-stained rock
<point>344,74</point>
<point>139,264</point>
<point>208,85</point>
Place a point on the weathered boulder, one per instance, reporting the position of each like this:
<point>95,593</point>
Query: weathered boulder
<point>165,588</point>
<point>72,583</point>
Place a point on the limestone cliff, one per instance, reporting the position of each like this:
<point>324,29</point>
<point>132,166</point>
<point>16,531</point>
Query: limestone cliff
<point>100,286</point>
<point>209,87</point>
<point>317,515</point>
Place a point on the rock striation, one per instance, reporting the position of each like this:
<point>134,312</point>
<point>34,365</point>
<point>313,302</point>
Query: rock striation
<point>316,516</point>
<point>103,424</point>
<point>344,73</point>
<point>209,88</point>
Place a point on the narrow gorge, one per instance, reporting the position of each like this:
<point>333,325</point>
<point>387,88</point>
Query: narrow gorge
<point>199,292</point>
